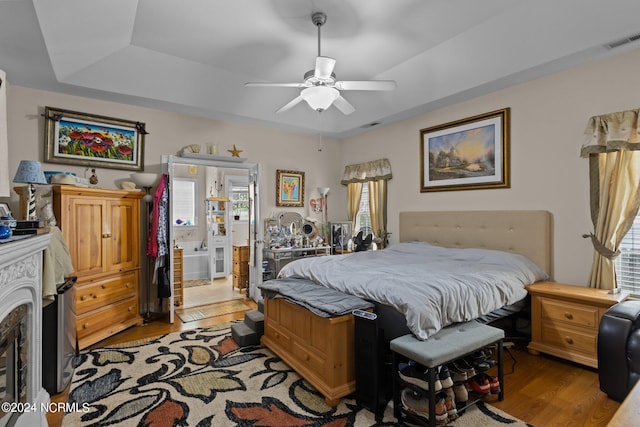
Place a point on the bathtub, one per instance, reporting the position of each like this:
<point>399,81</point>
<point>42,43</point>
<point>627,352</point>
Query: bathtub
<point>195,262</point>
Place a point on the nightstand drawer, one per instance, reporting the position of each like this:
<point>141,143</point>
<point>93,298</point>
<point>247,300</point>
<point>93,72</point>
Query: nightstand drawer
<point>572,313</point>
<point>569,339</point>
<point>565,320</point>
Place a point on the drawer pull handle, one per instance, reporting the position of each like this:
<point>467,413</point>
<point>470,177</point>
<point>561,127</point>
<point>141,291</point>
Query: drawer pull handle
<point>568,315</point>
<point>306,357</point>
<point>83,298</point>
<point>569,340</point>
<point>103,286</point>
<point>277,335</point>
<point>85,326</point>
<point>106,235</point>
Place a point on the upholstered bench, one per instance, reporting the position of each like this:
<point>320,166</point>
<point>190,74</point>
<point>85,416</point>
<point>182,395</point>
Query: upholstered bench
<point>450,343</point>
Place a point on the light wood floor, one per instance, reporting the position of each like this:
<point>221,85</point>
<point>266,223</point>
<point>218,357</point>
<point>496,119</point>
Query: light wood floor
<point>542,390</point>
<point>218,290</point>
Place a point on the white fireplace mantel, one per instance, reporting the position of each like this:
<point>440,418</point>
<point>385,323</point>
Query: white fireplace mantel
<point>21,283</point>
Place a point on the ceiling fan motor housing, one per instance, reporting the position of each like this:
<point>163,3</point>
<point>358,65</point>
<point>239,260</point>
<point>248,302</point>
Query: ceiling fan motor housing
<point>318,18</point>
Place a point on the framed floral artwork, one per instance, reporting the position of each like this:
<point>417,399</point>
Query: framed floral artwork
<point>90,140</point>
<point>467,154</point>
<point>289,188</point>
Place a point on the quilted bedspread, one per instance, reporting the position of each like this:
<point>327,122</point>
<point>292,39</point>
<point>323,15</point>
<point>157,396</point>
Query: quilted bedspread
<point>432,286</point>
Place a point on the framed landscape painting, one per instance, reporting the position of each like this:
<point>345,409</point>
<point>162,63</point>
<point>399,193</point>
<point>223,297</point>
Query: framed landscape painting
<point>289,188</point>
<point>467,154</point>
<point>90,140</point>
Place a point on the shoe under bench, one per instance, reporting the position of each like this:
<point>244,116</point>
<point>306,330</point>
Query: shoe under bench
<point>448,345</point>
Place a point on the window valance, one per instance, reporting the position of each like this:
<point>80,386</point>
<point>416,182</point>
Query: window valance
<point>611,132</point>
<point>368,171</point>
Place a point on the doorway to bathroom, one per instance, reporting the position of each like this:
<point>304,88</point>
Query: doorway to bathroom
<point>230,285</point>
<point>212,214</point>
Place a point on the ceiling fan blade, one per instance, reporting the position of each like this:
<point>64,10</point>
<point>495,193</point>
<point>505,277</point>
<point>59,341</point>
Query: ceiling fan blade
<point>255,84</point>
<point>258,84</point>
<point>295,101</point>
<point>324,67</point>
<point>344,105</point>
<point>366,85</point>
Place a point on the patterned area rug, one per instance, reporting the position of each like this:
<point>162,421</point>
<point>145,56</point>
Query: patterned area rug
<point>213,310</point>
<point>202,378</point>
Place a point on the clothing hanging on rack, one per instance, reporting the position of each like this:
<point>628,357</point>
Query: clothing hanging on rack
<point>157,244</point>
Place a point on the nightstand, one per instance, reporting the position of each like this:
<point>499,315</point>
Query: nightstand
<point>565,320</point>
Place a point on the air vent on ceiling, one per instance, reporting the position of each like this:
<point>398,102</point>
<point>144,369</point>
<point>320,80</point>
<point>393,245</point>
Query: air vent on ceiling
<point>621,42</point>
<point>370,125</point>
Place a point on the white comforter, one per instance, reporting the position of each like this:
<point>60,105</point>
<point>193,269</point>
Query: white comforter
<point>431,285</point>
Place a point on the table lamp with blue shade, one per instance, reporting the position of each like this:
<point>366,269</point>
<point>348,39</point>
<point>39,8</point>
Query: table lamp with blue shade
<point>30,172</point>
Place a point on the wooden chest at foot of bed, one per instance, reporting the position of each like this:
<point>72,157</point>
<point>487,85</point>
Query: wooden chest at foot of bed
<point>320,349</point>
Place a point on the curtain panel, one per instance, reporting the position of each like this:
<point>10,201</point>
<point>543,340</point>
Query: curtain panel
<point>354,193</point>
<point>375,174</point>
<point>613,150</point>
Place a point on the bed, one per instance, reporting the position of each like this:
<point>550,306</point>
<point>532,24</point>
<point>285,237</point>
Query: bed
<point>321,348</point>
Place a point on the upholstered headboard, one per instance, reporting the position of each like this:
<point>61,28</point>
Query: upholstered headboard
<point>525,232</point>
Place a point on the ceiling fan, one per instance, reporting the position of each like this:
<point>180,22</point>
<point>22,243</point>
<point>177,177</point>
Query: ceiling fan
<point>320,88</point>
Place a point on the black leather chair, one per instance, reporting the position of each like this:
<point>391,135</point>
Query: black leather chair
<point>619,349</point>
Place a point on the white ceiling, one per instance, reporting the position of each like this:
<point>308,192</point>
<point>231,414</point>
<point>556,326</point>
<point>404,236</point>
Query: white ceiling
<point>194,56</point>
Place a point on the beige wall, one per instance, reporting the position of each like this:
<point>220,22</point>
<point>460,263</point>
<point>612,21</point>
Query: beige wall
<point>168,133</point>
<point>548,117</point>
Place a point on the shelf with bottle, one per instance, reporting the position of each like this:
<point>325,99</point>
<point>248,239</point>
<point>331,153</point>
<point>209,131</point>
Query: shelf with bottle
<point>216,213</point>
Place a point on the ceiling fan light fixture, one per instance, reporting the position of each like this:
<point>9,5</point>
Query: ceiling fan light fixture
<point>319,97</point>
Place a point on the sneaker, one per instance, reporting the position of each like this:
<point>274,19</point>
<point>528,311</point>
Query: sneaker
<point>457,375</point>
<point>481,360</point>
<point>445,377</point>
<point>478,365</point>
<point>494,384</point>
<point>450,393</point>
<point>479,384</point>
<point>450,405</point>
<point>418,405</point>
<point>461,394</point>
<point>412,373</point>
<point>463,366</point>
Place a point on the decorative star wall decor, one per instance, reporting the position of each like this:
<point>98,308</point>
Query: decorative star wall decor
<point>235,152</point>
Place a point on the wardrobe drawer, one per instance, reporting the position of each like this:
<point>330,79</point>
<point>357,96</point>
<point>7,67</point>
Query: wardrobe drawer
<point>111,316</point>
<point>94,295</point>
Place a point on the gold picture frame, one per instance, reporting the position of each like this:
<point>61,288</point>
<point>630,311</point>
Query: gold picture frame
<point>289,188</point>
<point>467,154</point>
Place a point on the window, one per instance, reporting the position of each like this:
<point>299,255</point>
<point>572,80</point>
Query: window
<point>184,202</point>
<point>239,197</point>
<point>627,264</point>
<point>363,219</point>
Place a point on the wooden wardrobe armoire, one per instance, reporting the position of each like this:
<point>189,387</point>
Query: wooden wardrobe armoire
<point>102,229</point>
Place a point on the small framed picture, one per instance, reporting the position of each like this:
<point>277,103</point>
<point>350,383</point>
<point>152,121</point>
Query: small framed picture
<point>4,210</point>
<point>289,188</point>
